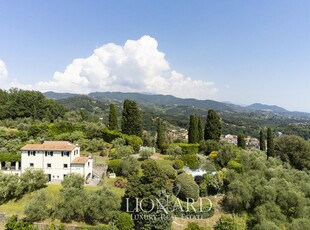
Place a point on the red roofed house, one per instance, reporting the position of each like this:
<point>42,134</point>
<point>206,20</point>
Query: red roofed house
<point>57,159</point>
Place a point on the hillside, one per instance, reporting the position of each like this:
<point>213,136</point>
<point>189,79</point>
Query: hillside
<point>175,111</point>
<point>169,100</point>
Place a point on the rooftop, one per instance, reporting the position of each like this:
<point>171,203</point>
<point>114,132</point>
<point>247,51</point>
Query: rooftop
<point>51,145</point>
<point>80,160</point>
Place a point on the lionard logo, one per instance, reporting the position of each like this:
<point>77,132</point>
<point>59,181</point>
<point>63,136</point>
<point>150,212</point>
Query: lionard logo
<point>165,205</point>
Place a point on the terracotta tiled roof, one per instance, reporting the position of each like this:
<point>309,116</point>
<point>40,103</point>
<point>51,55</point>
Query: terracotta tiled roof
<point>80,160</point>
<point>51,145</point>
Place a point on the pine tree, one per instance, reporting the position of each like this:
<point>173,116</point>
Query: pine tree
<point>113,124</point>
<point>241,141</point>
<point>213,128</point>
<point>131,119</point>
<point>262,143</point>
<point>270,143</point>
<point>160,133</point>
<point>193,129</point>
<point>200,129</point>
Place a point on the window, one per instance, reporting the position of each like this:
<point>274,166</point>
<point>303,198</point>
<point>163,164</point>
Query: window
<point>49,165</point>
<point>63,153</point>
<point>65,166</point>
<point>75,152</point>
<point>31,164</point>
<point>31,153</point>
<point>49,153</point>
<point>88,163</point>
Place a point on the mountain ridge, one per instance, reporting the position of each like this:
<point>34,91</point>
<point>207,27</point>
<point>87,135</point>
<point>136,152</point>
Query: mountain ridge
<point>172,100</point>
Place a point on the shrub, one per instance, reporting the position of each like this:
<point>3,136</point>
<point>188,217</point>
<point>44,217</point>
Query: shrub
<point>145,154</point>
<point>178,164</point>
<point>209,146</point>
<point>193,226</point>
<point>73,180</point>
<point>187,187</point>
<point>231,222</point>
<point>235,165</point>
<point>169,171</point>
<point>120,183</point>
<point>213,155</point>
<point>123,221</point>
<point>174,150</point>
<point>191,161</point>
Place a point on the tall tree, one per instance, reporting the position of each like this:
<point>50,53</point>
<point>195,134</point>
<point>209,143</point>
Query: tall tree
<point>262,143</point>
<point>113,124</point>
<point>150,186</point>
<point>193,129</point>
<point>200,129</point>
<point>241,141</point>
<point>160,133</point>
<point>131,120</point>
<point>270,143</point>
<point>213,127</point>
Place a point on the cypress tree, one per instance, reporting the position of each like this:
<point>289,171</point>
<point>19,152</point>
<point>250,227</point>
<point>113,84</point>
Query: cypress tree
<point>262,143</point>
<point>160,133</point>
<point>200,129</point>
<point>131,119</point>
<point>193,129</point>
<point>270,143</point>
<point>241,141</point>
<point>213,128</point>
<point>113,124</point>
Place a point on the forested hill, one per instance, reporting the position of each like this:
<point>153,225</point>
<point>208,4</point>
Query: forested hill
<point>168,100</point>
<point>176,111</point>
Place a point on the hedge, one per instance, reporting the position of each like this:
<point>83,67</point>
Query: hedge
<point>188,148</point>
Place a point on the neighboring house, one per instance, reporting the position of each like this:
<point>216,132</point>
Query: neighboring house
<point>57,159</point>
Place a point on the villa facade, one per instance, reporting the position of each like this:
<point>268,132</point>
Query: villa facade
<point>56,159</point>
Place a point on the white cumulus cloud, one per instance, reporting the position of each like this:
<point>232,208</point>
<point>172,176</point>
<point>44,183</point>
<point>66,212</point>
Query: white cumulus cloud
<point>3,71</point>
<point>137,66</point>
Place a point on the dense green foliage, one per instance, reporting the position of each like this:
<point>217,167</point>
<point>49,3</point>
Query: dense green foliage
<point>188,148</point>
<point>193,129</point>
<point>21,103</point>
<point>17,224</point>
<point>113,123</point>
<point>187,187</point>
<point>262,140</point>
<point>160,139</point>
<point>150,186</point>
<point>241,141</point>
<point>213,128</point>
<point>294,150</point>
<point>193,226</point>
<point>13,186</point>
<point>270,143</point>
<point>206,147</point>
<point>131,119</point>
<point>200,129</point>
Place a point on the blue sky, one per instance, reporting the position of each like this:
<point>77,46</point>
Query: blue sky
<point>237,51</point>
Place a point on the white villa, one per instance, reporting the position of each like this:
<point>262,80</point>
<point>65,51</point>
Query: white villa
<point>57,159</point>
